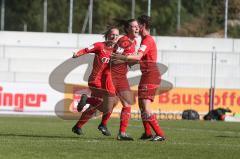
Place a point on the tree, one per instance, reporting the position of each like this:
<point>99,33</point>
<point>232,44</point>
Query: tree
<point>20,12</point>
<point>58,15</point>
<point>198,17</point>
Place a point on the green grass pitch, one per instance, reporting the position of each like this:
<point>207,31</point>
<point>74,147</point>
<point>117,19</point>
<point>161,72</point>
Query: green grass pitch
<point>51,138</point>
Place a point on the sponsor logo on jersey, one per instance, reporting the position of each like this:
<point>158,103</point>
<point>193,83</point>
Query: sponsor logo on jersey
<point>105,60</point>
<point>143,48</point>
<point>119,50</point>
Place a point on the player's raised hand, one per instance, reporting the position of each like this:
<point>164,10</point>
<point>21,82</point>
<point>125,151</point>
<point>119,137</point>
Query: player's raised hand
<point>74,55</point>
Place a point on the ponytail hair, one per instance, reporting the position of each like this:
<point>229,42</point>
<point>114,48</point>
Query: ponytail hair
<point>124,23</point>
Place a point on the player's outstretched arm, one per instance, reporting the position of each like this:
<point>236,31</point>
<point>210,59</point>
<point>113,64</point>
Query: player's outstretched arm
<point>79,53</point>
<point>74,55</point>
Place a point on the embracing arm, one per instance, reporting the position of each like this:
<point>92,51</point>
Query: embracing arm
<point>135,57</point>
<point>129,58</point>
<point>115,61</point>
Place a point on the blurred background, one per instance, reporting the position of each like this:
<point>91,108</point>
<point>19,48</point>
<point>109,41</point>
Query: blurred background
<point>195,18</point>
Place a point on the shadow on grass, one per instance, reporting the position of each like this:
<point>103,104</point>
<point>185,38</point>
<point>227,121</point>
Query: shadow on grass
<point>225,136</point>
<point>80,137</point>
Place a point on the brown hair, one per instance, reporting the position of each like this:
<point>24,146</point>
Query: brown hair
<point>124,23</point>
<point>109,29</point>
<point>144,19</point>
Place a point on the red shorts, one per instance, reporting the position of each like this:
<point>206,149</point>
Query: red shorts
<point>147,91</point>
<point>148,86</point>
<point>107,84</point>
<point>119,76</point>
<point>120,83</point>
<point>103,87</point>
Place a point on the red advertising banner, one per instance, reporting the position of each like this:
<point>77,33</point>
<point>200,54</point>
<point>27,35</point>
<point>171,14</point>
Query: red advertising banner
<point>28,98</point>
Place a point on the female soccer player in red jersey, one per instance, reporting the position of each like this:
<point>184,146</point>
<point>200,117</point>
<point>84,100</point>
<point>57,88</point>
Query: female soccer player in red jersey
<point>125,46</point>
<point>100,80</point>
<point>150,79</point>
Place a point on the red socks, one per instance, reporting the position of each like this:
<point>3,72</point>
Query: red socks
<point>147,126</point>
<point>105,118</point>
<point>155,126</point>
<point>86,115</point>
<point>125,116</point>
<point>150,120</point>
<point>94,101</point>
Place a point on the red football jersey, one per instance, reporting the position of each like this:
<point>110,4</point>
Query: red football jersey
<point>127,46</point>
<point>148,64</point>
<point>100,63</point>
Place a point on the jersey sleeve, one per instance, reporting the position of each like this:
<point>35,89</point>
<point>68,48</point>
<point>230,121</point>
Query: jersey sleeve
<point>120,46</point>
<point>91,49</point>
<point>125,46</point>
<point>144,47</point>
